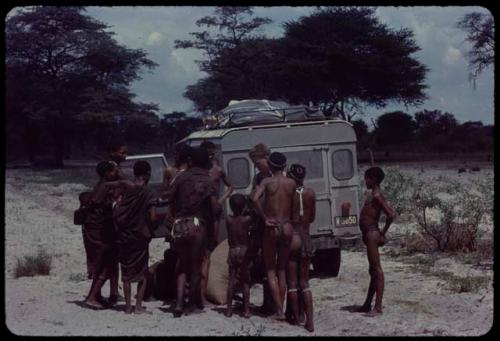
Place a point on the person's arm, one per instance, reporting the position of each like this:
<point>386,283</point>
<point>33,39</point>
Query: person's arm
<point>212,232</point>
<point>390,213</point>
<point>127,184</point>
<point>167,176</point>
<point>259,191</point>
<point>229,185</point>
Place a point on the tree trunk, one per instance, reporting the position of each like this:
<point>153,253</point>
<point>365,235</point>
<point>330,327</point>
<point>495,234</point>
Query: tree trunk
<point>59,144</point>
<point>31,139</point>
<point>59,152</point>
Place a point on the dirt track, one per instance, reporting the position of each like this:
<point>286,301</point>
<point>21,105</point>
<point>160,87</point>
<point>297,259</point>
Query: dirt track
<point>40,215</point>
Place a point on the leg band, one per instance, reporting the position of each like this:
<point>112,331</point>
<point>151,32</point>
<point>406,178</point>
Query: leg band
<point>292,290</point>
<point>306,289</point>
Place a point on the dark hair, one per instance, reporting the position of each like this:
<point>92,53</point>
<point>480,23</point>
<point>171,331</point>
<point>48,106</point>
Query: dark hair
<point>103,167</point>
<point>207,145</point>
<point>376,173</point>
<point>297,172</point>
<point>200,158</point>
<point>115,144</point>
<point>141,168</point>
<point>277,161</point>
<point>259,151</point>
<point>237,203</point>
<point>182,152</point>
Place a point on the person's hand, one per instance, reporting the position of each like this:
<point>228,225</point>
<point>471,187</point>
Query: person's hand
<point>212,244</point>
<point>271,222</point>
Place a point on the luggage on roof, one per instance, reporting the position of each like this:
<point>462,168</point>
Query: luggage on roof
<point>254,112</point>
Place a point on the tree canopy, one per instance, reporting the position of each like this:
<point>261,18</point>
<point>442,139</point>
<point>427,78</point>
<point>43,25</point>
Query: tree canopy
<point>480,30</point>
<point>338,57</point>
<point>394,128</point>
<point>69,68</point>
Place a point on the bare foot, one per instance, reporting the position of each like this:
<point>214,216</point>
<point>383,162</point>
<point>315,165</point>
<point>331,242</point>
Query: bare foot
<point>141,310</point>
<point>278,316</point>
<point>129,310</point>
<point>246,314</point>
<point>374,313</point>
<point>291,319</point>
<point>309,327</point>
<point>94,305</point>
<point>229,313</point>
<point>362,309</point>
<point>178,312</point>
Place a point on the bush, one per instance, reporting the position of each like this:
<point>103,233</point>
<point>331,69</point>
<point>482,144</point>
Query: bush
<point>464,284</point>
<point>39,264</point>
<point>458,209</point>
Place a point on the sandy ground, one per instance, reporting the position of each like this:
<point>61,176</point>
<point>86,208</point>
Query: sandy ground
<point>40,215</point>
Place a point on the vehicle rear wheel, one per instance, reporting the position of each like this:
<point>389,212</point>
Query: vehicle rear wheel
<point>327,261</point>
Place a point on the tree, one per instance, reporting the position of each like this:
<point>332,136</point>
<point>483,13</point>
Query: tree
<point>229,55</point>
<point>431,124</point>
<point>71,67</point>
<point>394,128</point>
<point>362,134</point>
<point>480,30</point>
<point>177,125</point>
<point>343,57</point>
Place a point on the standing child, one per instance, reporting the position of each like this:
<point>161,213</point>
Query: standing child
<point>373,238</point>
<point>134,218</point>
<point>238,226</point>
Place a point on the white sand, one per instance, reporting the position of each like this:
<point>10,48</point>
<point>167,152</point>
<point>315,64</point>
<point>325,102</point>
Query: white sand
<point>39,215</point>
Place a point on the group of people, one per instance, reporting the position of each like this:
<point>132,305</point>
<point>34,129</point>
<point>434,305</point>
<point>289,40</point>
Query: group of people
<point>268,231</point>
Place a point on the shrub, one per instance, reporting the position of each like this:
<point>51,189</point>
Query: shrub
<point>79,277</point>
<point>250,331</point>
<point>459,210</point>
<point>464,284</point>
<point>397,189</point>
<point>33,265</point>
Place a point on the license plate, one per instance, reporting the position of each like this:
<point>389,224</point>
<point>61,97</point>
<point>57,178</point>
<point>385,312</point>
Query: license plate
<point>351,220</point>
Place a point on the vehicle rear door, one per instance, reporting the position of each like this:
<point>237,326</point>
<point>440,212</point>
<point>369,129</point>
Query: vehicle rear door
<point>314,159</point>
<point>344,181</point>
<point>240,171</point>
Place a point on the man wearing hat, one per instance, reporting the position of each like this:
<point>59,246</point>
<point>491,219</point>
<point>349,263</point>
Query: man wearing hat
<point>276,211</point>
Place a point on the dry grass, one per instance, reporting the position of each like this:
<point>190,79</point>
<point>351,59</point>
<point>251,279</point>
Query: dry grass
<point>417,243</point>
<point>34,265</point>
<point>483,254</point>
<point>463,284</point>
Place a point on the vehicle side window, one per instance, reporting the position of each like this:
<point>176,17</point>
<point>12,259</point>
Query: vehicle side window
<point>238,170</point>
<point>342,164</point>
<point>311,159</point>
<point>157,167</point>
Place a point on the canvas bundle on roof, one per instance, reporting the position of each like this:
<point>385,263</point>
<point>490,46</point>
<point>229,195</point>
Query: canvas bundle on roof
<point>253,112</point>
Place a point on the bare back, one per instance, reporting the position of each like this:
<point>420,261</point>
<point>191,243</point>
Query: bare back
<point>237,230</point>
<point>216,173</point>
<point>278,192</point>
<point>309,209</point>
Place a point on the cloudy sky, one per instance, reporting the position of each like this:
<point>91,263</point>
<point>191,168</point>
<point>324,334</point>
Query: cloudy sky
<point>155,29</point>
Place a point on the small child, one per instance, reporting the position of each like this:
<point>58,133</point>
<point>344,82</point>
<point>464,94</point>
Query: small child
<point>373,238</point>
<point>238,226</point>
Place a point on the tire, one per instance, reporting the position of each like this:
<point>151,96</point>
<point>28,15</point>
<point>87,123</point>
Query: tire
<point>327,262</point>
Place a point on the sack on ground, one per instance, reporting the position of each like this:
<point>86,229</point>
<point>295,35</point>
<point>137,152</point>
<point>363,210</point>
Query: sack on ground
<point>218,274</point>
